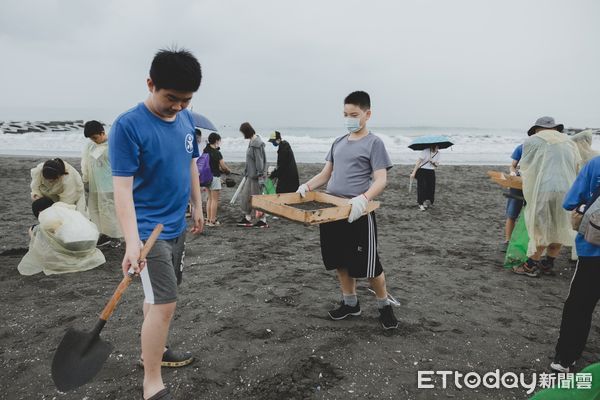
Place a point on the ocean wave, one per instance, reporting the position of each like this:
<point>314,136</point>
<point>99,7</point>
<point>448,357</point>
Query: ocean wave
<point>471,145</point>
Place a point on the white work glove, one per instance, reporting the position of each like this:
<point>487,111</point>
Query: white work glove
<point>303,189</point>
<point>359,206</point>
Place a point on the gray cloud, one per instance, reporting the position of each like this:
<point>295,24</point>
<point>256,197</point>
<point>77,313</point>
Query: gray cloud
<point>280,63</point>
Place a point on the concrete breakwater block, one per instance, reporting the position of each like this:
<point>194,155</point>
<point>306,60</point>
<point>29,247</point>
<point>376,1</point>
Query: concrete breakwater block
<point>19,127</point>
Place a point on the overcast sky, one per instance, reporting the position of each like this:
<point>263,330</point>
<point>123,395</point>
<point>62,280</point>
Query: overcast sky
<point>290,63</point>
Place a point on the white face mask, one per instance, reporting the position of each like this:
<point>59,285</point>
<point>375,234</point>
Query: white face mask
<point>352,124</point>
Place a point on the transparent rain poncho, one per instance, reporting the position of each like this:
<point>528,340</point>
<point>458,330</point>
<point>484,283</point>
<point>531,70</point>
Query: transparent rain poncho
<point>96,171</point>
<point>67,189</point>
<point>549,166</point>
<point>64,241</point>
<point>583,140</point>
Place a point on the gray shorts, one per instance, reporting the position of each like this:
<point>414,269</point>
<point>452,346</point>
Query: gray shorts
<point>164,270</point>
<point>216,183</point>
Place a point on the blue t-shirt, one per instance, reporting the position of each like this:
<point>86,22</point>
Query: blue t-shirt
<point>158,155</point>
<point>580,193</point>
<point>517,153</point>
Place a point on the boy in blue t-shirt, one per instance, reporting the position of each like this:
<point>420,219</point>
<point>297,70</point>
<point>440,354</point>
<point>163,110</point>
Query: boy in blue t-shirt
<point>153,150</point>
<point>584,291</point>
<point>355,168</point>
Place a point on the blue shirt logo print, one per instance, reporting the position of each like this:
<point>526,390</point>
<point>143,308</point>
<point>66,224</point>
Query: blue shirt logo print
<point>189,143</point>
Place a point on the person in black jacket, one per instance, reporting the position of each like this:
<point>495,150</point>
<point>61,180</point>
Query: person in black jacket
<point>286,171</point>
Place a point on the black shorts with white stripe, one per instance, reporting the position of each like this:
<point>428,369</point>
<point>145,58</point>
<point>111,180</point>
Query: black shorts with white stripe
<point>351,246</point>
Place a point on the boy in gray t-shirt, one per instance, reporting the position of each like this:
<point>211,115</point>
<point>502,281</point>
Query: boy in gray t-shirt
<point>356,168</point>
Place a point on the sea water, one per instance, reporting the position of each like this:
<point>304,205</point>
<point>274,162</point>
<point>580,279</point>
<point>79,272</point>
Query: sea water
<point>472,146</point>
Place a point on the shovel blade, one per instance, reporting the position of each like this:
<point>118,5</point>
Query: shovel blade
<point>78,358</point>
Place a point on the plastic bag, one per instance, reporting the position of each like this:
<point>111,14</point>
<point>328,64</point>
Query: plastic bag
<point>516,253</point>
<point>64,241</point>
<point>588,390</point>
<point>269,186</point>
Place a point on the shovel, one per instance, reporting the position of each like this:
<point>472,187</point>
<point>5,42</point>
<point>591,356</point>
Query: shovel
<point>237,192</point>
<point>80,355</point>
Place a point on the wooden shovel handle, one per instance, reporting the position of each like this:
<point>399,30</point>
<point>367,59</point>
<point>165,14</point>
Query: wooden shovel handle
<point>112,303</point>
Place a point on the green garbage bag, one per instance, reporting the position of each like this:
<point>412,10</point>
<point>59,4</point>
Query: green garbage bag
<point>516,253</point>
<point>269,187</point>
<point>581,386</point>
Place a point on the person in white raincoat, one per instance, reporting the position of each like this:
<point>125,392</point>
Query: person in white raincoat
<point>59,181</point>
<point>583,140</point>
<point>64,241</point>
<point>96,174</point>
<point>549,166</point>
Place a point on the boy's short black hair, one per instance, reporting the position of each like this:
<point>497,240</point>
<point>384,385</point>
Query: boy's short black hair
<point>176,70</point>
<point>360,99</point>
<point>92,128</point>
<point>40,205</point>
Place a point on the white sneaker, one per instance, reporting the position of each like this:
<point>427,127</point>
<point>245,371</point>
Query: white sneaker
<point>422,207</point>
<point>558,367</point>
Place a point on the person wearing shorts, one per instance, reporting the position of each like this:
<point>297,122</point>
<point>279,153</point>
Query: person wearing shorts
<point>217,166</point>
<point>513,204</point>
<point>153,151</point>
<point>355,168</point>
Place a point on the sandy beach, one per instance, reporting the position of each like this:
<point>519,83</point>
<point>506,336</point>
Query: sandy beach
<point>253,305</point>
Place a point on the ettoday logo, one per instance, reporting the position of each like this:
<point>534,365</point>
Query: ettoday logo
<point>507,380</point>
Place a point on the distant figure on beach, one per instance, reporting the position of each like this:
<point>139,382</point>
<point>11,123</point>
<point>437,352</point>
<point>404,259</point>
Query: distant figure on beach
<point>59,181</point>
<point>286,172</point>
<point>513,204</point>
<point>96,175</point>
<point>548,167</point>
<point>355,168</point>
<point>153,153</point>
<point>424,173</point>
<point>217,166</point>
<point>255,173</point>
<point>584,291</point>
<point>64,240</point>
<point>583,140</point>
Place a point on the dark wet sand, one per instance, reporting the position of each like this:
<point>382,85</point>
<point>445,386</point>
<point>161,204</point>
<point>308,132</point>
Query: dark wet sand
<point>253,305</point>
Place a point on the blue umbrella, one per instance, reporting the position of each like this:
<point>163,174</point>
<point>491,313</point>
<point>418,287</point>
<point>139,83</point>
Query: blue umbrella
<point>424,142</point>
<point>201,122</point>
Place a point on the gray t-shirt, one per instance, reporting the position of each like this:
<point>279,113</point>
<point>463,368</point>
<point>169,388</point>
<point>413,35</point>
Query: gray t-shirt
<point>353,164</point>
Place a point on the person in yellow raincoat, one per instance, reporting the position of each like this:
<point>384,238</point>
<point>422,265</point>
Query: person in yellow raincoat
<point>549,166</point>
<point>59,181</point>
<point>96,174</point>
